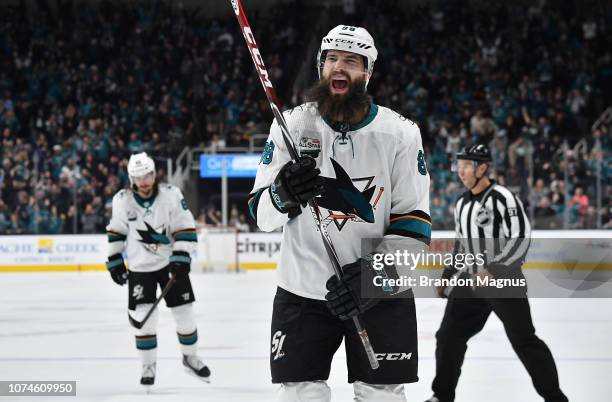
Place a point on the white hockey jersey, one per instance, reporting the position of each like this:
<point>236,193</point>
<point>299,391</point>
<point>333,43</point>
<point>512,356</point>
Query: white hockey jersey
<point>376,185</point>
<point>152,228</point>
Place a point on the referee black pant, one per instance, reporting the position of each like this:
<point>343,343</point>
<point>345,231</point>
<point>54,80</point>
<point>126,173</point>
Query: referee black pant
<point>465,317</point>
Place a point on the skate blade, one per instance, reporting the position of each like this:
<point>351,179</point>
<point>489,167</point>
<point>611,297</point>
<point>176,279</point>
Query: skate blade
<point>147,388</point>
<point>193,374</point>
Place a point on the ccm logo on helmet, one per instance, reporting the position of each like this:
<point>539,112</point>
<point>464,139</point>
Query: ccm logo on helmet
<point>393,356</point>
<point>261,67</point>
<point>350,42</point>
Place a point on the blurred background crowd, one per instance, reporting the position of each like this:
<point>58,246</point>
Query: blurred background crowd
<point>83,85</point>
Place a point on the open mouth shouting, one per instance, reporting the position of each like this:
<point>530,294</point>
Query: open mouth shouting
<point>339,84</point>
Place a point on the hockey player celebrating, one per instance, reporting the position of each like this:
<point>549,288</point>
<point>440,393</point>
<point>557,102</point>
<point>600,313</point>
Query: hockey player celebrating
<point>365,165</point>
<point>152,221</point>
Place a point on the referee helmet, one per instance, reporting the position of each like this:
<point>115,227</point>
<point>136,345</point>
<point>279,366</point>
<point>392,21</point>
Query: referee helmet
<point>478,153</point>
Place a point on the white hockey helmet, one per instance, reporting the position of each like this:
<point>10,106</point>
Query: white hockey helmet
<point>140,165</point>
<point>349,39</point>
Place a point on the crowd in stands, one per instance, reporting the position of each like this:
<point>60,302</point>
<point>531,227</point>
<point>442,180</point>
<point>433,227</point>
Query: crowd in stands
<point>85,85</point>
<point>522,78</point>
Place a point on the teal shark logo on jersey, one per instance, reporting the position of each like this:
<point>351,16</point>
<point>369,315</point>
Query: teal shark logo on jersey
<point>344,201</point>
<point>152,237</point>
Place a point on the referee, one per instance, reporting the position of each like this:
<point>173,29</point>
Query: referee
<point>489,219</point>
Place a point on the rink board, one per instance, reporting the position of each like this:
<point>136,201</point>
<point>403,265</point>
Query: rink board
<point>256,251</point>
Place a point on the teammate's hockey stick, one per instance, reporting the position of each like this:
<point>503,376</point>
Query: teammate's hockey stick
<point>273,100</point>
<point>140,324</point>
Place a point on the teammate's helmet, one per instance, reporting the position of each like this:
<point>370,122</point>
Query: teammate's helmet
<point>349,39</point>
<point>140,165</point>
<point>479,153</point>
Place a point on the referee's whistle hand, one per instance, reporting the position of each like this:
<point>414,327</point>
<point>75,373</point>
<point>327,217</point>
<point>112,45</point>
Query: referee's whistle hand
<point>480,278</point>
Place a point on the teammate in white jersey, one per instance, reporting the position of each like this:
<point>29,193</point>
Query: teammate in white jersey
<point>366,167</point>
<point>152,224</point>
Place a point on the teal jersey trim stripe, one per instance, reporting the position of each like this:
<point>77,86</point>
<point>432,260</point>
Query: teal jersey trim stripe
<point>114,238</point>
<point>180,258</point>
<point>411,225</point>
<point>354,127</point>
<point>114,263</point>
<point>186,237</point>
<point>145,202</point>
<point>188,340</point>
<point>146,344</point>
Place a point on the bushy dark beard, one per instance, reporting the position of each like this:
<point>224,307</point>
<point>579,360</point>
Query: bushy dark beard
<point>348,108</point>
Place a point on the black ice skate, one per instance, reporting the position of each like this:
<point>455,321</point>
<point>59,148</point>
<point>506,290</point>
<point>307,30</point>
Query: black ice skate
<point>148,375</point>
<point>197,368</point>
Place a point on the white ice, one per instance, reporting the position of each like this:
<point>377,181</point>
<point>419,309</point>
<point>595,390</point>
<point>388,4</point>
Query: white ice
<point>73,326</point>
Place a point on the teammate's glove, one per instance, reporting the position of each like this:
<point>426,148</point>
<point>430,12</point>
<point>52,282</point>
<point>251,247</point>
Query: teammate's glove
<point>180,263</point>
<point>116,268</point>
<point>345,298</point>
<point>295,184</point>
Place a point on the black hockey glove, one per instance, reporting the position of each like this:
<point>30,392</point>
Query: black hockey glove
<point>295,184</point>
<point>355,292</point>
<point>180,263</point>
<point>116,268</point>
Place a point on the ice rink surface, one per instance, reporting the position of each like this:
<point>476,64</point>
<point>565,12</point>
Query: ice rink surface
<point>73,326</point>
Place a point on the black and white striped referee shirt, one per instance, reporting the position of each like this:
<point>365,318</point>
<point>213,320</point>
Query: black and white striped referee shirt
<point>494,223</point>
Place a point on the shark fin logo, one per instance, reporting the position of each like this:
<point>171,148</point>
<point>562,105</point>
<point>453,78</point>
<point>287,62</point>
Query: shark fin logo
<point>151,238</point>
<point>344,201</point>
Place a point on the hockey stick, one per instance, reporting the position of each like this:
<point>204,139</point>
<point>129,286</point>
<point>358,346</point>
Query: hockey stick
<point>273,100</point>
<point>140,324</point>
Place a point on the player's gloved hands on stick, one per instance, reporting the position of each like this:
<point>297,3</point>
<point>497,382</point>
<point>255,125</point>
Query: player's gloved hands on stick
<point>180,263</point>
<point>295,184</point>
<point>116,268</point>
<point>355,291</point>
